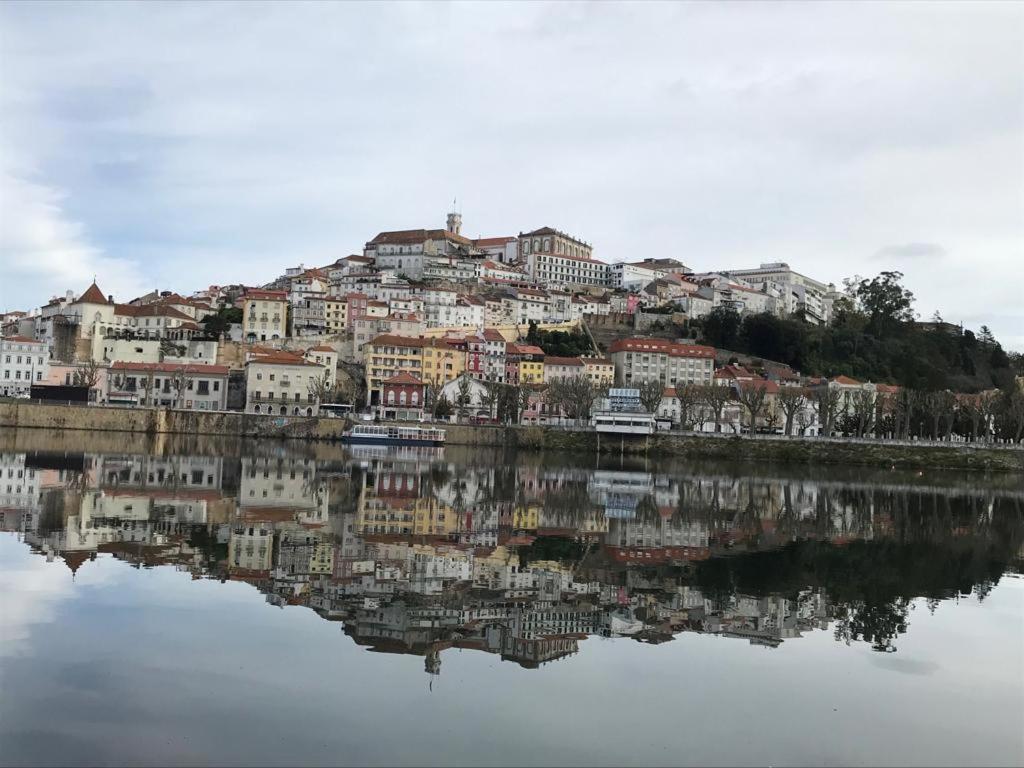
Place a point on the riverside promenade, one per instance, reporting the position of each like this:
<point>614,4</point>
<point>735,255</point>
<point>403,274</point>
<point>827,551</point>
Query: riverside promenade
<point>25,414</point>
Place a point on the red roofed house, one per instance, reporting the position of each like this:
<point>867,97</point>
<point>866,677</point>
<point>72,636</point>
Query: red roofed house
<point>402,397</point>
<point>644,359</point>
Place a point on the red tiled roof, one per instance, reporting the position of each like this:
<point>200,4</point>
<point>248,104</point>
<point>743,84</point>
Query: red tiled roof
<point>846,380</point>
<point>483,242</point>
<point>663,346</point>
<point>415,236</point>
<point>493,334</point>
<point>92,295</point>
<point>403,378</point>
<point>281,358</point>
<point>321,348</point>
<point>262,295</point>
<point>22,340</point>
<point>563,361</point>
<point>213,370</point>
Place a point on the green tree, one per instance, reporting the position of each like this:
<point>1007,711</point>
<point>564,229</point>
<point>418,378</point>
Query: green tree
<point>721,327</point>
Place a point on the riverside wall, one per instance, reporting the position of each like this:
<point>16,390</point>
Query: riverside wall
<point>231,426</point>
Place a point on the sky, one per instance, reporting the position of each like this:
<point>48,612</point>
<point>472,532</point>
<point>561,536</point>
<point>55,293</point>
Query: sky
<point>180,145</point>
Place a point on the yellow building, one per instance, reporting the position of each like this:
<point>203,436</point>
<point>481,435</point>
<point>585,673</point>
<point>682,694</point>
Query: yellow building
<point>442,362</point>
<point>433,361</point>
<point>526,518</point>
<point>601,371</point>
<point>264,315</point>
<point>336,310</point>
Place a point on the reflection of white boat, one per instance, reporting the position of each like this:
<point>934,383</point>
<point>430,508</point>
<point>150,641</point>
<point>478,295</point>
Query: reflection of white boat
<point>377,434</point>
<point>395,452</point>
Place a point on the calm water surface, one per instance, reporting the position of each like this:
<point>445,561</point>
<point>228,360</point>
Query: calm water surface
<point>203,603</point>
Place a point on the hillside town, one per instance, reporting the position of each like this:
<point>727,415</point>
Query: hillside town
<point>413,554</point>
<point>430,324</point>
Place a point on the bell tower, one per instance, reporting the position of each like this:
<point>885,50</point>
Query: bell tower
<point>454,224</point>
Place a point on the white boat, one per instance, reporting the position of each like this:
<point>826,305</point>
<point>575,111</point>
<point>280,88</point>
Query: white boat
<point>380,434</point>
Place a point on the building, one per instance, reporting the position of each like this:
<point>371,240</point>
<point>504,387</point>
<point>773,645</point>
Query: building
<point>644,359</point>
<point>553,258</point>
<point>264,315</point>
<point>796,293</point>
<point>562,368</point>
<point>283,383</point>
<point>632,276</point>
<point>23,361</point>
<point>168,385</point>
<point>432,361</point>
<point>403,397</point>
<point>524,364</point>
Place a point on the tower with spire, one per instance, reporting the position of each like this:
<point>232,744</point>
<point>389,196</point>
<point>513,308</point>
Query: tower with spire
<point>454,224</point>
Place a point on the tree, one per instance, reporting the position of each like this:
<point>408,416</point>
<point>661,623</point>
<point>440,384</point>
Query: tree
<point>721,327</point>
<point>826,403</point>
<point>752,395</point>
<point>713,397</point>
<point>573,396</point>
<point>146,385</point>
<point>464,395</point>
<point>442,408</point>
<point>181,381</point>
<point>939,405</point>
<point>863,414</point>
<point>320,388</point>
<point>489,397</point>
<point>885,301</point>
<point>791,401</point>
<point>689,398</point>
<point>651,392</point>
<point>87,375</point>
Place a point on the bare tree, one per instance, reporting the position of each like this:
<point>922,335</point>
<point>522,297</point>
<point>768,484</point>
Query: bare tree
<point>826,404</point>
<point>146,385</point>
<point>1013,414</point>
<point>320,388</point>
<point>689,398</point>
<point>464,395</point>
<point>939,406</point>
<point>714,397</point>
<point>488,398</point>
<point>988,404</point>
<point>863,402</point>
<point>651,392</point>
<point>752,395</point>
<point>573,396</point>
<point>87,375</point>
<point>791,400</point>
<point>181,381</point>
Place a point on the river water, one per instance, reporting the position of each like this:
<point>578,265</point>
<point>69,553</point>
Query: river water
<point>201,603</point>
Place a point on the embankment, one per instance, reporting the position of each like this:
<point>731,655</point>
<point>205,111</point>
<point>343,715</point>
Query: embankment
<point>233,426</point>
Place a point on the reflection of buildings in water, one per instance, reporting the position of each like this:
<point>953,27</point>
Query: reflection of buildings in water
<point>419,558</point>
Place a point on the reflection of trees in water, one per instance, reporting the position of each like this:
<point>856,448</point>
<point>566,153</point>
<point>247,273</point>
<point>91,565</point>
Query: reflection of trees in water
<point>941,547</point>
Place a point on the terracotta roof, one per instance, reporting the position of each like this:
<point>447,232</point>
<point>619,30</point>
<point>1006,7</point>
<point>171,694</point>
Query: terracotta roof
<point>483,242</point>
<point>403,378</point>
<point>663,346</point>
<point>415,236</point>
<point>846,380</point>
<point>22,340</point>
<point>770,387</point>
<point>563,361</point>
<point>92,295</point>
<point>74,560</point>
<point>493,334</point>
<point>281,358</point>
<point>400,341</point>
<point>262,295</point>
<point>321,348</point>
<point>213,370</point>
<point>597,361</point>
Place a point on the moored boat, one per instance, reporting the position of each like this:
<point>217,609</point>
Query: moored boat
<point>382,434</point>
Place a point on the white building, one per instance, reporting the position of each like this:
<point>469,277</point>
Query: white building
<point>168,385</point>
<point>283,383</point>
<point>643,359</point>
<point>23,362</point>
<point>796,292</point>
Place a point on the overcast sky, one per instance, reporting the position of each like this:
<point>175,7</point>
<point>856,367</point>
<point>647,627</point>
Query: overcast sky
<point>179,145</point>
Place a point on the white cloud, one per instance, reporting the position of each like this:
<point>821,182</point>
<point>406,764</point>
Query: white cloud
<point>204,143</point>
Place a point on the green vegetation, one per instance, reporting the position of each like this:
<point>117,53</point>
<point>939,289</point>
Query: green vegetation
<point>217,324</point>
<point>560,343</point>
<point>872,338</point>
